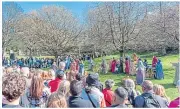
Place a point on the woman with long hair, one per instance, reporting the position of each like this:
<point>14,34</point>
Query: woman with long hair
<point>64,88</point>
<point>36,95</point>
<point>56,100</point>
<point>73,71</point>
<point>159,90</point>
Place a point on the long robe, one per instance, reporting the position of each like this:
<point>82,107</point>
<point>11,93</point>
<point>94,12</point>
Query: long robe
<point>77,64</point>
<point>121,66</point>
<point>132,68</point>
<point>68,61</point>
<point>91,64</point>
<point>127,67</point>
<point>140,76</point>
<point>113,66</point>
<point>159,71</point>
<point>110,63</point>
<point>154,61</point>
<point>104,67</point>
<point>176,76</point>
<point>81,69</point>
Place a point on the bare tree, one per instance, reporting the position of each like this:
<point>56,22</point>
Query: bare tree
<point>122,19</point>
<point>52,29</point>
<point>10,16</point>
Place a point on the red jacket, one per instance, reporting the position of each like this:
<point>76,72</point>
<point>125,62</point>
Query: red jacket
<point>54,84</point>
<point>108,96</point>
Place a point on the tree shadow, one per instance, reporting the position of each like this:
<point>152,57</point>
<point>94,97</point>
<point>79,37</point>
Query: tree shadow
<point>118,84</point>
<point>168,85</point>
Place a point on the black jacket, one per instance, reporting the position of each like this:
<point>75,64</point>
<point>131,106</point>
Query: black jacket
<point>79,102</point>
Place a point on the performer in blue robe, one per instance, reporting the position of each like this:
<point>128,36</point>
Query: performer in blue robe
<point>91,64</point>
<point>81,68</point>
<point>159,70</point>
<point>67,61</point>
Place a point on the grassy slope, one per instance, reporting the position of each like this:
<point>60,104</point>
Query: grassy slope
<point>167,67</point>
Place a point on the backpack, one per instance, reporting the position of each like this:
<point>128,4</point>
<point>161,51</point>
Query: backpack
<point>131,97</point>
<point>93,101</point>
<point>150,101</point>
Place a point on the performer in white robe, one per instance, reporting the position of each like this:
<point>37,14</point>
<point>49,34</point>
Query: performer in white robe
<point>177,76</point>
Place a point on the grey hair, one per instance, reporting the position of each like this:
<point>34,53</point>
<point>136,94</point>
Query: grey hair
<point>109,83</point>
<point>129,84</point>
<point>62,65</point>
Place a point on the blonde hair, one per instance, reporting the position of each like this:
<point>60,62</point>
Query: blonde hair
<point>56,100</point>
<point>160,90</point>
<point>64,88</point>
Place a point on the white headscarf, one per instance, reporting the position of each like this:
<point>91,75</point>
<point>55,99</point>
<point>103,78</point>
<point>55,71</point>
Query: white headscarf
<point>141,65</point>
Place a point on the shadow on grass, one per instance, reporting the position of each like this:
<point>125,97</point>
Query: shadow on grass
<point>118,84</point>
<point>168,85</point>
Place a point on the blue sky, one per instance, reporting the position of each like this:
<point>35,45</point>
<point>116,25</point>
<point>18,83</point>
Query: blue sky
<point>77,8</point>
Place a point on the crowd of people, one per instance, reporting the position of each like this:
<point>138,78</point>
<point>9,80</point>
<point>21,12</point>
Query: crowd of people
<point>67,85</point>
<point>31,62</point>
<point>135,66</point>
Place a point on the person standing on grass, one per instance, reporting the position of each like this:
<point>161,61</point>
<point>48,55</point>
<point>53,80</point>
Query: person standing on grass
<point>104,66</point>
<point>54,66</point>
<point>113,65</point>
<point>154,61</point>
<point>177,73</point>
<point>108,93</point>
<point>159,70</point>
<point>145,64</point>
<point>127,67</point>
<point>68,62</point>
<point>176,102</point>
<point>132,68</point>
<point>140,76</point>
<point>81,67</point>
<point>91,64</point>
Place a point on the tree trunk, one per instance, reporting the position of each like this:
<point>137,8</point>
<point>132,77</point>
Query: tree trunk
<point>30,51</point>
<point>3,52</point>
<point>121,55</point>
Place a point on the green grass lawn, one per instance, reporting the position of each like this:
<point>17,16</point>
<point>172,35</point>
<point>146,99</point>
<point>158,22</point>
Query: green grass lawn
<point>168,69</point>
